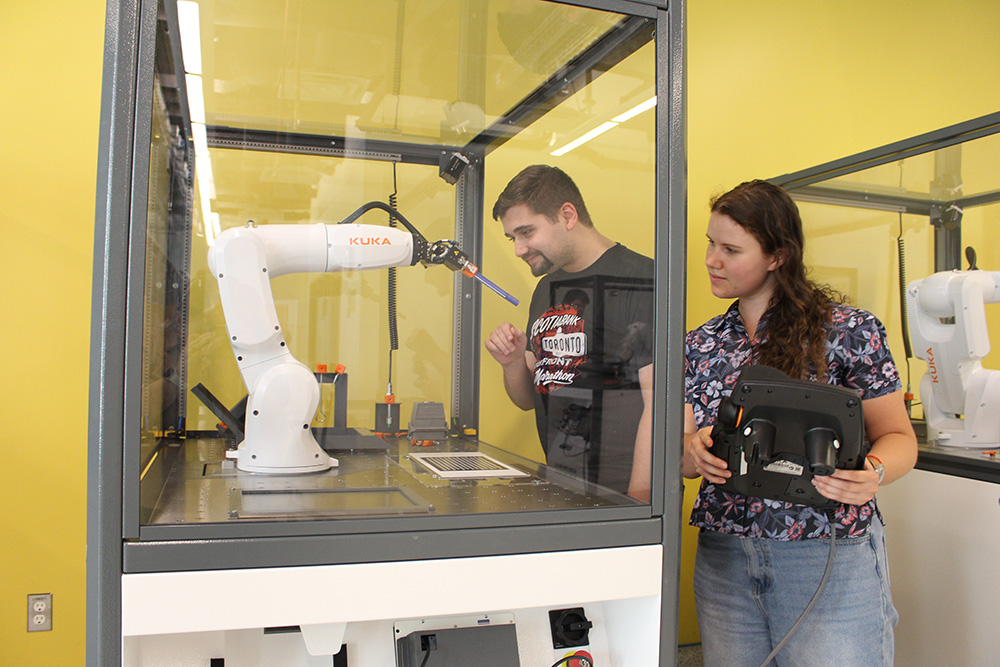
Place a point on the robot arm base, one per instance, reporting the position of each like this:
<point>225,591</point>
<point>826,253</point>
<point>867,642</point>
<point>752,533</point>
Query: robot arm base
<point>979,427</point>
<point>278,436</point>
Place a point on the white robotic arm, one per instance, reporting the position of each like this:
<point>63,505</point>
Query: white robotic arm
<point>283,393</point>
<point>961,399</point>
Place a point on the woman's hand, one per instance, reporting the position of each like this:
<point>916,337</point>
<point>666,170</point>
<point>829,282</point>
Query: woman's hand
<point>699,461</point>
<point>853,487</point>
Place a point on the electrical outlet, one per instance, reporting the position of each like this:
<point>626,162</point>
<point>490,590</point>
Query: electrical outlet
<point>40,612</point>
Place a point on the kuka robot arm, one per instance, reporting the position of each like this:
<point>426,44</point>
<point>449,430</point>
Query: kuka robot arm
<point>948,317</point>
<point>283,393</point>
<point>245,259</point>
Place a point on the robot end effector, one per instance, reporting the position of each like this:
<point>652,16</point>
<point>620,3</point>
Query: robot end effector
<point>440,252</point>
<point>948,331</point>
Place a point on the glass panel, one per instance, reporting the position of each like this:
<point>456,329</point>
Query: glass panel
<point>430,71</point>
<point>270,325</point>
<point>902,221</point>
<point>165,280</point>
<point>584,430</point>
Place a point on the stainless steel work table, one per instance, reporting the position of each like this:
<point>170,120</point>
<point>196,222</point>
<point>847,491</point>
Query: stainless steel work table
<point>203,486</point>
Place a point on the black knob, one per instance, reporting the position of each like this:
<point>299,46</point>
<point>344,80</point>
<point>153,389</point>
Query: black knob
<point>728,413</point>
<point>821,450</point>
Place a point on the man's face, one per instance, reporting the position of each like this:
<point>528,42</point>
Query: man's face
<point>538,240</point>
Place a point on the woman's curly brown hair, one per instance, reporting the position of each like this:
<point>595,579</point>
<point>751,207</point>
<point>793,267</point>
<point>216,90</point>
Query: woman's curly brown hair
<point>800,310</point>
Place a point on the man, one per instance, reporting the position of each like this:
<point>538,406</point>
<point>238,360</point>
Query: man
<point>584,362</point>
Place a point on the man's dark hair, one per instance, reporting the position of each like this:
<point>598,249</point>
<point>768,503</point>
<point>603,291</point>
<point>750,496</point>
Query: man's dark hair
<point>544,190</point>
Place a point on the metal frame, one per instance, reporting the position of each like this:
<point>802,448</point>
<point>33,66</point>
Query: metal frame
<point>107,369</point>
<point>671,278</point>
<point>921,143</point>
<point>117,544</point>
<point>467,331</point>
<point>945,213</point>
<point>318,144</point>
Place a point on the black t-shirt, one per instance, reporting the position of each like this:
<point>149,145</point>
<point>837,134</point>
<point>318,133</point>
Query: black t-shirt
<point>591,332</point>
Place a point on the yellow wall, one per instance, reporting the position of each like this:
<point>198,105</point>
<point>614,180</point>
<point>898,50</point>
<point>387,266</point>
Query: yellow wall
<point>773,87</point>
<point>49,111</point>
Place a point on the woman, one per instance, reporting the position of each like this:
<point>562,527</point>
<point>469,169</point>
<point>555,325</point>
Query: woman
<point>759,562</point>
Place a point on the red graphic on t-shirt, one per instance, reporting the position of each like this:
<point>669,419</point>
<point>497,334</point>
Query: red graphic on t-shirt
<point>560,346</point>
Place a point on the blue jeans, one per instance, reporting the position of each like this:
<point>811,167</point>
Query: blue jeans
<point>750,591</point>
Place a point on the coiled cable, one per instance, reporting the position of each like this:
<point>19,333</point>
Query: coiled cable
<point>391,297</point>
<point>904,315</point>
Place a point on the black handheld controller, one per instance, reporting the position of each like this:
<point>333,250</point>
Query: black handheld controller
<point>777,433</point>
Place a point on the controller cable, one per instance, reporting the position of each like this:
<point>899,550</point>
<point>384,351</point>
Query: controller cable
<point>815,597</point>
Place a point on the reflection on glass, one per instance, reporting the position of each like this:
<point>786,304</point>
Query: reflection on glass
<point>584,357</point>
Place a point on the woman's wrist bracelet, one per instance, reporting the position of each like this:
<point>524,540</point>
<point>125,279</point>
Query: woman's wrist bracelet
<point>878,466</point>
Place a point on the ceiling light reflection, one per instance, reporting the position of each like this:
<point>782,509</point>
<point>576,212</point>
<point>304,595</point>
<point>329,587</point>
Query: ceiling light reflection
<point>636,110</point>
<point>604,127</point>
<point>596,132</point>
<point>187,18</point>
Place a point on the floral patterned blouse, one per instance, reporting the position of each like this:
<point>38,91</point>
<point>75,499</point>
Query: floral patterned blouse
<point>858,358</point>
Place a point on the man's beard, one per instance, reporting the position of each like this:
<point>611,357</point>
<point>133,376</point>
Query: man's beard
<point>541,267</point>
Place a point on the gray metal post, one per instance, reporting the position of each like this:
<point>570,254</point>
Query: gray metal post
<point>468,300</point>
<point>468,226</point>
<point>107,368</point>
<point>947,219</point>
<point>671,258</point>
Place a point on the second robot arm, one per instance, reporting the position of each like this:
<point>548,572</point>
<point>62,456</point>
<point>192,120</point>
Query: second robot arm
<point>960,397</point>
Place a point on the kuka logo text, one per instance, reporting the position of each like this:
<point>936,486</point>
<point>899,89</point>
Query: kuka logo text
<point>370,240</point>
<point>931,367</point>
